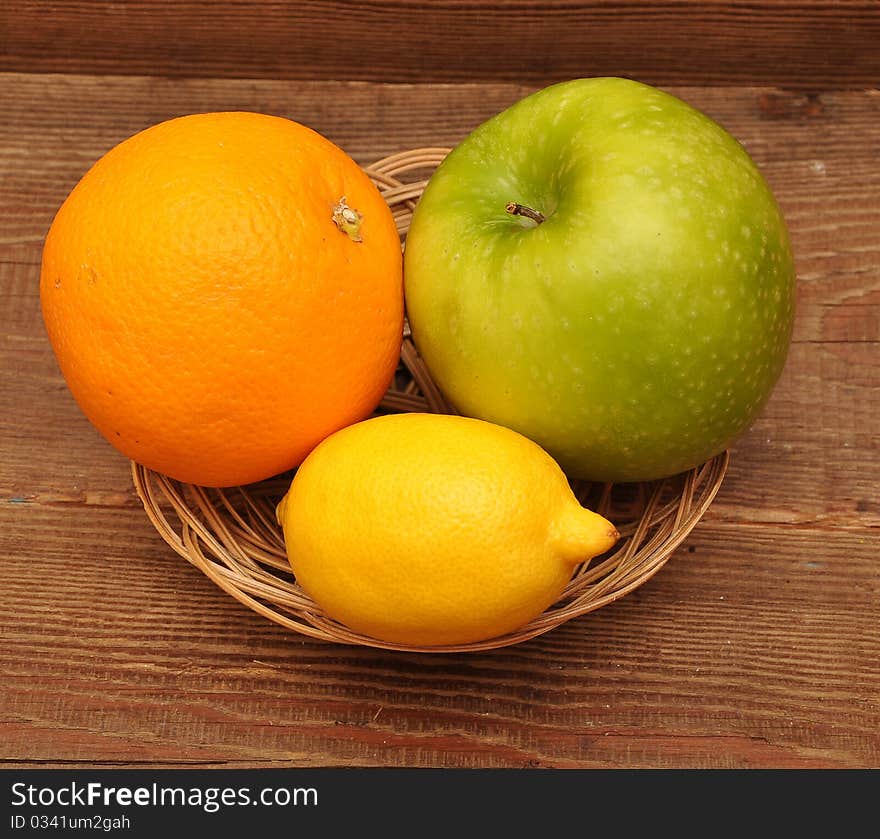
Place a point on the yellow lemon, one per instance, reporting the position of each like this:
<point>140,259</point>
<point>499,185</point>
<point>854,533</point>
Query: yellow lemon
<point>429,529</point>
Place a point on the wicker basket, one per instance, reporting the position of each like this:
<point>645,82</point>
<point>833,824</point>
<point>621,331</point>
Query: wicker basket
<point>231,535</point>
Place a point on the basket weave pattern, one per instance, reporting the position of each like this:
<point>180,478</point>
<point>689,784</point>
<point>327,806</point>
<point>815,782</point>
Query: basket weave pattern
<point>231,535</point>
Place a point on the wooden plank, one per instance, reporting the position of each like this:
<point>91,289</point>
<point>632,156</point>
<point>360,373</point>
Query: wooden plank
<point>755,645</point>
<point>821,426</point>
<point>808,45</point>
<point>116,651</point>
<point>811,457</point>
<point>818,152</point>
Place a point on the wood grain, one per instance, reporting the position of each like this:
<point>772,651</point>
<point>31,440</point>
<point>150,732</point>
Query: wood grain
<point>820,160</point>
<point>728,658</point>
<point>808,45</point>
<point>756,646</point>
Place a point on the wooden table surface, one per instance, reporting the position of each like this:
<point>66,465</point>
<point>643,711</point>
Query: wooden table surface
<point>757,645</point>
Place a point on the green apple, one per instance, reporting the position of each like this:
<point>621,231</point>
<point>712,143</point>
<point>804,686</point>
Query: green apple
<point>604,269</point>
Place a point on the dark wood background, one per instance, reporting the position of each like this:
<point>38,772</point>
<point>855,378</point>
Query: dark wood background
<point>757,645</point>
<point>800,44</point>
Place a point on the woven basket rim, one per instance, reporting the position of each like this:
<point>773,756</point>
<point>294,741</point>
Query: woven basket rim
<point>232,537</point>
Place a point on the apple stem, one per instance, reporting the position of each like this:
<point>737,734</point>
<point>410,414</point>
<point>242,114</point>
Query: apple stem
<point>521,210</point>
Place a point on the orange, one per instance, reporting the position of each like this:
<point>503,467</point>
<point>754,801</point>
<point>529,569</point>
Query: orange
<point>222,291</point>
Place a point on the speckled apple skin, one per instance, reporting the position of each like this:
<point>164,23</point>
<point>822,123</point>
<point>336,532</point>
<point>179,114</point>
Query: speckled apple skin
<point>637,331</point>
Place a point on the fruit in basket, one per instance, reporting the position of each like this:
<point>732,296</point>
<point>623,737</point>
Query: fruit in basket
<point>603,268</point>
<point>430,529</point>
<point>222,291</point>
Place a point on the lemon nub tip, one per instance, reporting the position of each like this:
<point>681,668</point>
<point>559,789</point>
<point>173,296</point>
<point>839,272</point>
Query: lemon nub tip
<point>279,510</point>
<point>579,534</point>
